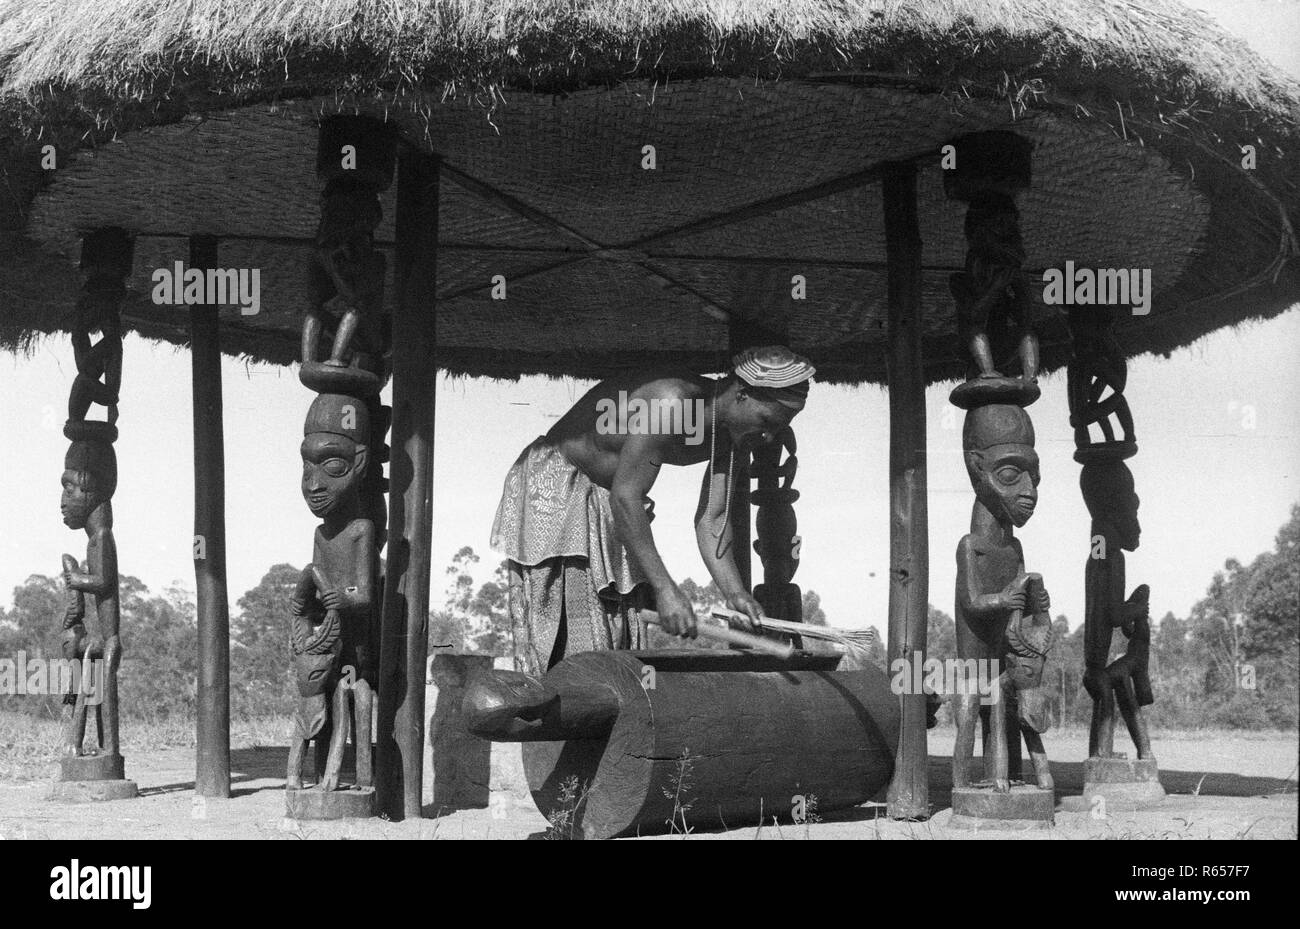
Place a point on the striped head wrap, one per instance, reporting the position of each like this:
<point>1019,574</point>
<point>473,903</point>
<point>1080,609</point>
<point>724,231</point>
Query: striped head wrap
<point>776,373</point>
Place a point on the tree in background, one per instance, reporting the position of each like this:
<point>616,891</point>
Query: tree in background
<point>1233,662</point>
<point>159,676</point>
<point>473,620</point>
<point>33,627</point>
<point>1247,625</point>
<point>261,679</point>
<point>813,614</point>
<point>159,671</point>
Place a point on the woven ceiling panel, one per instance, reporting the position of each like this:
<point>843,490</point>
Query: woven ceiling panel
<point>720,145</point>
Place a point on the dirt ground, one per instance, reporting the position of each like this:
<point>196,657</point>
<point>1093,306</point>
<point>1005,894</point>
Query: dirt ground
<point>1220,785</point>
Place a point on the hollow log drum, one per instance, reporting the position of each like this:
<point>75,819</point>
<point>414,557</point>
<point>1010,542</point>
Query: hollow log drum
<point>627,743</point>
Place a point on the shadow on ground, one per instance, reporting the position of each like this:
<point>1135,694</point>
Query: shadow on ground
<point>263,768</point>
<point>250,765</point>
<point>1068,778</point>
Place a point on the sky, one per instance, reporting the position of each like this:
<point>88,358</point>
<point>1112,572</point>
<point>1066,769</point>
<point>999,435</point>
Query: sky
<point>1218,467</point>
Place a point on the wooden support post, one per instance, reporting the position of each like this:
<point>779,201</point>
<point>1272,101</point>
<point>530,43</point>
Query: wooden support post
<point>909,562</point>
<point>212,771</point>
<point>404,645</point>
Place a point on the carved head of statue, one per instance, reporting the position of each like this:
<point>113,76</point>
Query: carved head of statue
<point>1111,499</point>
<point>89,480</point>
<point>998,439</point>
<point>334,453</point>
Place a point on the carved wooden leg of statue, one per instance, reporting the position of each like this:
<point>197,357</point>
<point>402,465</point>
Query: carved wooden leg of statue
<point>312,324</point>
<point>107,711</point>
<point>297,750</point>
<point>1101,733</point>
<point>982,352</point>
<point>995,748</point>
<point>1029,355</point>
<point>84,392</point>
<point>1010,699</point>
<point>966,710</point>
<point>341,716</point>
<point>1126,698</point>
<point>75,734</point>
<point>363,707</point>
<point>321,749</point>
<point>347,328</point>
<point>1042,772</point>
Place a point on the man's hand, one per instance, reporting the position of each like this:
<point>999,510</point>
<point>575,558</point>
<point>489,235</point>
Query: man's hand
<point>751,611</point>
<point>676,615</point>
<point>331,599</point>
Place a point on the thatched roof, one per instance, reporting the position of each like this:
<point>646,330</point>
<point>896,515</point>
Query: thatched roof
<point>199,116</point>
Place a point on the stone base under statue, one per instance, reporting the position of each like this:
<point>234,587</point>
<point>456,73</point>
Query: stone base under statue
<point>1123,783</point>
<point>314,803</point>
<point>1025,806</point>
<point>87,778</point>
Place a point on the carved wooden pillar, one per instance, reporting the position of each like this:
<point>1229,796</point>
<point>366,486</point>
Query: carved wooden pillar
<point>337,604</point>
<point>212,768</point>
<point>777,528</point>
<point>1002,611</point>
<point>404,650</point>
<point>92,617</point>
<point>1096,378</point>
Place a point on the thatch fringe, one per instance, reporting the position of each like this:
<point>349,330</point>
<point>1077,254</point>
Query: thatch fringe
<point>140,48</point>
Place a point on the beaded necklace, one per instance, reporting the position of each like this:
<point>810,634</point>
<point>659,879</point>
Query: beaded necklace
<point>731,462</point>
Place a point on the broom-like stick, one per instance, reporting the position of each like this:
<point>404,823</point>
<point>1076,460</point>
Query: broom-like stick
<point>731,636</point>
<point>850,638</point>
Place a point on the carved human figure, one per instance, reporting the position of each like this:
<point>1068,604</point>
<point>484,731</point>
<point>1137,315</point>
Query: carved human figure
<point>992,585</point>
<point>1095,381</point>
<point>1029,638</point>
<point>334,606</point>
<point>1129,676</point>
<point>346,254</point>
<point>992,295</point>
<point>76,648</point>
<point>1112,502</point>
<point>89,480</point>
<point>99,365</point>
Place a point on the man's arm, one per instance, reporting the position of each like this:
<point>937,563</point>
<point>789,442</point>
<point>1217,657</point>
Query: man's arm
<point>638,467</point>
<point>714,536</point>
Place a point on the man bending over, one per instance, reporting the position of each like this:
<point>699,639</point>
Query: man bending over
<point>574,518</point>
